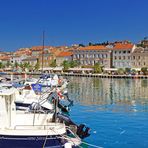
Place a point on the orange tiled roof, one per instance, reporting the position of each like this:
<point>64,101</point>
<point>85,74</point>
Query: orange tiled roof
<point>65,54</point>
<point>123,46</point>
<point>5,58</point>
<point>39,47</point>
<point>98,47</point>
<point>55,51</point>
<point>23,51</point>
<point>116,46</point>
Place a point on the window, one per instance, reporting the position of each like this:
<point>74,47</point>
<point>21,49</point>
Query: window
<point>124,51</point>
<point>144,63</point>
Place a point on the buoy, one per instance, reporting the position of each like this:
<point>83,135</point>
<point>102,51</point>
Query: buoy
<point>67,145</point>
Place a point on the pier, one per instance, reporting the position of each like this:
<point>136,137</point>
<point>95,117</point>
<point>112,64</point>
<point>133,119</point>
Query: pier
<point>84,75</point>
<point>107,76</point>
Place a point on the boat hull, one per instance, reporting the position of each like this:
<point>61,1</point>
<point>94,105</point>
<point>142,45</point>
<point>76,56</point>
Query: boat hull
<point>31,141</point>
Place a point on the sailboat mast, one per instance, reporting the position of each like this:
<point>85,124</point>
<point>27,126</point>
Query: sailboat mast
<point>43,51</point>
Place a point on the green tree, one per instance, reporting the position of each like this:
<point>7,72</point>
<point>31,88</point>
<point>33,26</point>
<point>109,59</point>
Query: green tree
<point>21,65</point>
<point>127,70</point>
<point>1,65</point>
<point>53,63</point>
<point>27,66</point>
<point>16,64</point>
<point>74,64</point>
<point>133,71</point>
<point>37,65</point>
<point>8,64</point>
<point>90,44</point>
<point>144,70</point>
<point>81,45</point>
<point>120,71</point>
<point>66,65</point>
<point>97,68</point>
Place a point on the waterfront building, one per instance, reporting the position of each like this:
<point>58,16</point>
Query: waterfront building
<point>63,56</point>
<point>90,55</point>
<point>31,60</point>
<point>139,58</point>
<point>121,54</point>
<point>19,55</point>
<point>17,58</point>
<point>117,55</point>
<point>5,59</point>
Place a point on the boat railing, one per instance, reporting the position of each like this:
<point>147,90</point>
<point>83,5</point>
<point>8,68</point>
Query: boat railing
<point>52,127</point>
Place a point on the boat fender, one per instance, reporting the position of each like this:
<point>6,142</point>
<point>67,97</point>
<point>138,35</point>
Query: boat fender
<point>67,145</point>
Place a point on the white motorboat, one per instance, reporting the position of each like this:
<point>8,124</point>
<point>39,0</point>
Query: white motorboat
<point>21,129</point>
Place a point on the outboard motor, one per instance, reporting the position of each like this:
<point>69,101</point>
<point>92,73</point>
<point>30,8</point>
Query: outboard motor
<point>82,130</point>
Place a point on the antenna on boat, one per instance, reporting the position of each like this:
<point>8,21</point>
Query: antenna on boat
<point>43,50</point>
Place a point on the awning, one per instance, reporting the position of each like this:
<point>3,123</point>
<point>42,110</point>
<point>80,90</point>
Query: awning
<point>110,69</point>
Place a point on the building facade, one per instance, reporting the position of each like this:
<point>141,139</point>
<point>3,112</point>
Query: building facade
<point>121,55</point>
<point>63,56</point>
<point>139,58</point>
<point>117,55</point>
<point>92,54</point>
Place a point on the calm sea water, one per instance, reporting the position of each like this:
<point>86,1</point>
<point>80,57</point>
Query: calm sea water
<point>115,109</point>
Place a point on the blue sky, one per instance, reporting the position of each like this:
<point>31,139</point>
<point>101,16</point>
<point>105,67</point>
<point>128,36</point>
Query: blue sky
<point>67,22</point>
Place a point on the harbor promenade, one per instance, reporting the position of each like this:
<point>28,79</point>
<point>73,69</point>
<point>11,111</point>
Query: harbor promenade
<point>107,76</point>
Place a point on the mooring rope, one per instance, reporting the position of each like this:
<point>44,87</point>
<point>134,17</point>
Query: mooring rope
<point>92,145</point>
<point>66,138</point>
<point>45,140</point>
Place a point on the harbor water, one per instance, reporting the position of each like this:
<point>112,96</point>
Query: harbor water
<point>116,110</point>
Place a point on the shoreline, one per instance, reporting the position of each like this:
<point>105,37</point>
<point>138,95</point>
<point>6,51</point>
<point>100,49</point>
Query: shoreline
<point>83,75</point>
